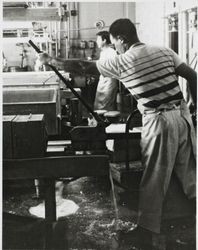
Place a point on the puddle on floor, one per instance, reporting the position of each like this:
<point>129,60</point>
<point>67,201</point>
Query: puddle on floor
<point>94,226</point>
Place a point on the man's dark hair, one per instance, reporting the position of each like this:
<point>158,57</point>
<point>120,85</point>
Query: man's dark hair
<point>124,29</point>
<point>104,35</point>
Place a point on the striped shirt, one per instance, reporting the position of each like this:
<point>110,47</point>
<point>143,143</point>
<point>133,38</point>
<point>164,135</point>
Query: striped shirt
<point>148,72</point>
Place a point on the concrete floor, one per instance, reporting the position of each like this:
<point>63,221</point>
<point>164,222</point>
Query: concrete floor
<point>93,227</point>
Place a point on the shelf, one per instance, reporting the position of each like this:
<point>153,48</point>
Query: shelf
<point>31,14</point>
<point>26,39</point>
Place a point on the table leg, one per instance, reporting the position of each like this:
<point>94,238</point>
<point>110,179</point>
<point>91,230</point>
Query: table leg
<point>50,212</point>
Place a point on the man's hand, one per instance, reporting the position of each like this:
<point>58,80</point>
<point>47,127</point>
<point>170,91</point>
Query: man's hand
<point>44,58</point>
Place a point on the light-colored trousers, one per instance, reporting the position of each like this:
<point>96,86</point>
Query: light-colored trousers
<point>106,94</point>
<point>168,144</point>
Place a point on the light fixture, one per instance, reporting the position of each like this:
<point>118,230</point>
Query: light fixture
<point>99,24</point>
<point>173,23</point>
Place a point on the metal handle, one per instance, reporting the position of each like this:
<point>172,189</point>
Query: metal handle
<point>34,46</point>
<point>67,83</point>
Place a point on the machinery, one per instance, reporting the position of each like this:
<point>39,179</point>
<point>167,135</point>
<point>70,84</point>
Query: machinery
<point>83,154</point>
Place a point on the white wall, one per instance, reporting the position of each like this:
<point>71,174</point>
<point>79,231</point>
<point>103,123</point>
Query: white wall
<point>150,16</point>
<point>91,12</point>
<point>13,53</point>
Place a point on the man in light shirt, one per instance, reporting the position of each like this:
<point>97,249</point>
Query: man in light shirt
<point>105,98</point>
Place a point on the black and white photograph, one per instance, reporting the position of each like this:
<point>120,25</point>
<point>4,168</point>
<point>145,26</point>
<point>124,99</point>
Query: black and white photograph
<point>99,120</point>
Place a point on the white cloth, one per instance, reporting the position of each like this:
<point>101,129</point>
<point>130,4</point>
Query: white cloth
<point>107,86</point>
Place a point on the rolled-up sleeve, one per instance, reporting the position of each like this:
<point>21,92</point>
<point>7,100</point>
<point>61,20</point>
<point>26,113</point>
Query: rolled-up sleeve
<point>177,60</point>
<point>109,67</point>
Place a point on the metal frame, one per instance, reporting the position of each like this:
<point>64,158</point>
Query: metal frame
<point>128,122</point>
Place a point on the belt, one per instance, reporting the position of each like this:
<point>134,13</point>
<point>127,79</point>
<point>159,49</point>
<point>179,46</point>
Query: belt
<point>173,106</point>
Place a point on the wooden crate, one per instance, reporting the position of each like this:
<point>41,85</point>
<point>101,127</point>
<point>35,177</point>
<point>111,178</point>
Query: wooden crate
<point>29,136</point>
<point>7,136</point>
<point>129,179</point>
<point>118,150</point>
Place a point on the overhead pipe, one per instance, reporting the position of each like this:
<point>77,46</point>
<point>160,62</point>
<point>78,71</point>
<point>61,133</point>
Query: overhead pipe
<point>77,17</point>
<point>68,29</point>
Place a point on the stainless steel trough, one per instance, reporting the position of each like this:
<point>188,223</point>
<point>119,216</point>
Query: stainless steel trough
<point>22,101</point>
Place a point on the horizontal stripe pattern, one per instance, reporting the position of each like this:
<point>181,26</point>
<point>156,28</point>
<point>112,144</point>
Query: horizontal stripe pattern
<point>157,103</point>
<point>156,91</point>
<point>153,85</point>
<point>154,72</point>
<point>149,74</point>
<point>162,95</point>
<point>153,61</point>
<point>158,65</point>
<point>153,80</point>
<point>128,56</point>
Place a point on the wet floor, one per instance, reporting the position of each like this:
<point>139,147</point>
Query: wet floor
<point>94,226</point>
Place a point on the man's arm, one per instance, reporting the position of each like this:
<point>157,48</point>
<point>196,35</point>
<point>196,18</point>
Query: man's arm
<point>81,67</point>
<point>75,66</point>
<point>91,68</point>
<point>190,75</point>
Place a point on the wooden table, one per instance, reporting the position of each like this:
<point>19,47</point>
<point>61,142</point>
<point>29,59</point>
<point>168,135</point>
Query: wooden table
<point>50,169</point>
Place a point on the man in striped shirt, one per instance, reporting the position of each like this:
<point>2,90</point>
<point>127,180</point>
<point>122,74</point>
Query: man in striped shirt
<point>168,136</point>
